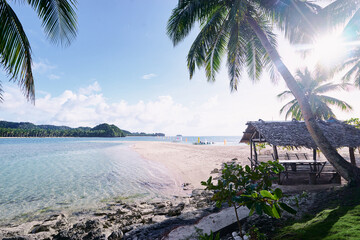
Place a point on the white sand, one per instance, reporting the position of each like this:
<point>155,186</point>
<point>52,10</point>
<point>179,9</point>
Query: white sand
<point>191,163</point>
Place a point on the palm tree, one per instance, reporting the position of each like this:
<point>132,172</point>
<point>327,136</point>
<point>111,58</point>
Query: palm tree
<point>313,87</point>
<point>241,29</point>
<point>60,26</point>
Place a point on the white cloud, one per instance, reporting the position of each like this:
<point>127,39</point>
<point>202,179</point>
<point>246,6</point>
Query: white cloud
<point>53,77</point>
<point>42,67</point>
<point>221,114</point>
<point>95,87</point>
<point>149,76</point>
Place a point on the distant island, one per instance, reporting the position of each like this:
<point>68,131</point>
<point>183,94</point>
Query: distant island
<point>27,129</point>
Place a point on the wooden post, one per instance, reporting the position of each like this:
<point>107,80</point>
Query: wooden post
<point>251,154</point>
<point>314,157</point>
<point>276,156</point>
<point>352,156</point>
<point>255,153</point>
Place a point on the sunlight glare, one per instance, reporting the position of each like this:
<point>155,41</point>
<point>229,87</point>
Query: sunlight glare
<point>328,50</point>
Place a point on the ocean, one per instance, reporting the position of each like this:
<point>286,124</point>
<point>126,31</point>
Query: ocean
<point>40,175</point>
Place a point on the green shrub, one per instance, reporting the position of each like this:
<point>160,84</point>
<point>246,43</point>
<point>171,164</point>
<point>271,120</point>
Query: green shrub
<point>242,186</point>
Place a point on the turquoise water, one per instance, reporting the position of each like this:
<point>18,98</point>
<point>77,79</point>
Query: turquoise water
<point>73,173</point>
<point>53,174</point>
<point>217,140</point>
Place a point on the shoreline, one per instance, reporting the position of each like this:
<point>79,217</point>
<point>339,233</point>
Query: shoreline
<point>186,163</point>
<point>190,164</point>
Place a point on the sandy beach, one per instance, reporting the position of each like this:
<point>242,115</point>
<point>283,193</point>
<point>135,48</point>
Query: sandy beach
<point>191,163</point>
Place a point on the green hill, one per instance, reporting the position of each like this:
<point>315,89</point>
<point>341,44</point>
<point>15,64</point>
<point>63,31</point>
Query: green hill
<point>27,129</point>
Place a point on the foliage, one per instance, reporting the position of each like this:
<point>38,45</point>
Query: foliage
<point>255,234</point>
<point>336,219</point>
<point>228,28</point>
<point>261,146</point>
<point>204,236</point>
<point>12,129</point>
<point>60,25</point>
<point>313,85</point>
<point>242,186</point>
<point>26,129</point>
<point>354,122</point>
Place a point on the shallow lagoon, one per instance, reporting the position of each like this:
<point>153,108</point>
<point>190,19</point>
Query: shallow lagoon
<point>42,174</point>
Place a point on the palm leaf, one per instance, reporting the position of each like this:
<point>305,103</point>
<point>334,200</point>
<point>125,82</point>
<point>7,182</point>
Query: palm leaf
<point>336,102</point>
<point>15,51</point>
<point>199,49</point>
<point>184,16</point>
<point>58,19</point>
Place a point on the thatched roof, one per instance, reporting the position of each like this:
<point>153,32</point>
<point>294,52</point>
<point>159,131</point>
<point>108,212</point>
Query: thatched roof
<point>294,133</point>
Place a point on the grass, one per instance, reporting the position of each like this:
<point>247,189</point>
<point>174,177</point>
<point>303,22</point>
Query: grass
<point>339,219</point>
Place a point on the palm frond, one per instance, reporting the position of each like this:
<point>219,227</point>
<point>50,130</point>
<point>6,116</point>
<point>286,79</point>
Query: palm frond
<point>288,105</point>
<point>184,16</point>
<point>338,12</point>
<point>200,48</point>
<point>236,48</point>
<point>285,94</point>
<point>58,19</point>
<point>336,102</point>
<point>331,87</point>
<point>295,18</point>
<point>15,51</point>
<point>217,44</point>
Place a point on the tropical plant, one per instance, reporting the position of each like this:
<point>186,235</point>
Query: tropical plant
<point>242,186</point>
<point>60,25</point>
<point>314,87</point>
<point>242,30</point>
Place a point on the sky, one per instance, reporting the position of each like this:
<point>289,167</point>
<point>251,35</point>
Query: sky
<point>122,69</point>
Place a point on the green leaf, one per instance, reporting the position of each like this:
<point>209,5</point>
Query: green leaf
<point>278,194</point>
<point>267,194</point>
<point>268,210</point>
<point>287,208</point>
<point>258,208</point>
<point>252,210</point>
<point>275,212</point>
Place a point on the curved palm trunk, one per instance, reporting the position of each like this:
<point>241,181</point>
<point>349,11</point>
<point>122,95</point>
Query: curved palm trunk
<point>345,169</point>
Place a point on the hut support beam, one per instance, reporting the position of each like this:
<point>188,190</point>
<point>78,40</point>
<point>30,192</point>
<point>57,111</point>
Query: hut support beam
<point>255,153</point>
<point>276,155</point>
<point>251,154</point>
<point>352,156</point>
<point>314,157</point>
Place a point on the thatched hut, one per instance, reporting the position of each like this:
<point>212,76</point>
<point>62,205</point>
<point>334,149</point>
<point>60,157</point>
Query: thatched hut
<point>295,134</point>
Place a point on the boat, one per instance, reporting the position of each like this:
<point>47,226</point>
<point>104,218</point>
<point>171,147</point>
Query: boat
<point>203,143</point>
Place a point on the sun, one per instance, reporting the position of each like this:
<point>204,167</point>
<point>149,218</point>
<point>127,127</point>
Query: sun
<point>328,50</point>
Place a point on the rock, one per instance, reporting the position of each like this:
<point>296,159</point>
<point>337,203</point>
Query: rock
<point>146,211</point>
<point>146,220</point>
<point>161,211</point>
<point>98,214</point>
<point>39,228</point>
<point>127,229</point>
<point>176,211</point>
<point>234,159</point>
<point>234,234</point>
<point>16,238</point>
<point>92,224</point>
<point>116,235</point>
<point>159,205</point>
<point>52,217</point>
<point>214,171</point>
<point>94,235</point>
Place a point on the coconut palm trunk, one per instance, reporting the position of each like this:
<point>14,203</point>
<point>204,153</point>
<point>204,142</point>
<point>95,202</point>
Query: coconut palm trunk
<point>345,169</point>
